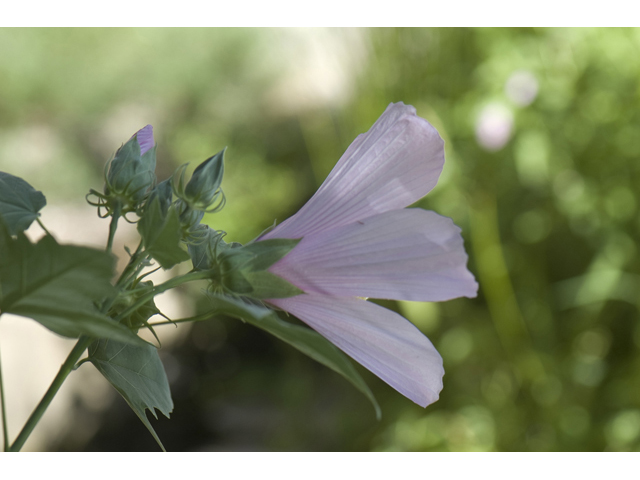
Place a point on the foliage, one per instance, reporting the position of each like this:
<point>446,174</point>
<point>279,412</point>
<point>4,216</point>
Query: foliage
<point>138,375</point>
<point>545,359</point>
<point>68,289</point>
<point>19,203</point>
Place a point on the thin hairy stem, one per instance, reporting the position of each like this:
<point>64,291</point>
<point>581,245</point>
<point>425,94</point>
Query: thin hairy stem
<point>195,318</point>
<point>43,227</point>
<point>136,259</point>
<point>113,226</point>
<point>66,368</point>
<point>149,273</point>
<point>163,287</point>
<point>5,427</point>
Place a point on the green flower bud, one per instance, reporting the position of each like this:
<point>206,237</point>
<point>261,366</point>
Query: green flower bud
<point>203,191</point>
<point>139,317</point>
<point>205,247</point>
<point>131,173</point>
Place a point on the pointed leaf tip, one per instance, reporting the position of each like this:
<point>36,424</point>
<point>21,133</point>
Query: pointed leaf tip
<point>19,203</point>
<point>138,375</point>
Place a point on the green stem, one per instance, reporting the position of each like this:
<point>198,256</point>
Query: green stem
<point>65,370</point>
<point>113,226</point>
<point>147,274</point>
<point>135,260</point>
<point>43,227</point>
<point>195,318</point>
<point>163,287</point>
<point>5,427</point>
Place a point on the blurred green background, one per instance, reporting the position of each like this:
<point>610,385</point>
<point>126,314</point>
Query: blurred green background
<point>542,132</point>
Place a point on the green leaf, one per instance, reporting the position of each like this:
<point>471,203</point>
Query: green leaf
<point>304,339</point>
<point>161,234</point>
<point>137,374</point>
<point>19,203</point>
<point>58,286</point>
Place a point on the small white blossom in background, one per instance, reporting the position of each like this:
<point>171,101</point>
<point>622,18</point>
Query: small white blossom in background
<point>494,126</point>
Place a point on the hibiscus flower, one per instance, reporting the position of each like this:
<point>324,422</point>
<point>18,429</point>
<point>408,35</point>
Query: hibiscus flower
<point>359,241</point>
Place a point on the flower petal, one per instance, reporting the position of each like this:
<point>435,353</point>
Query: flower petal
<point>381,340</point>
<point>410,254</point>
<point>397,162</point>
<point>145,139</point>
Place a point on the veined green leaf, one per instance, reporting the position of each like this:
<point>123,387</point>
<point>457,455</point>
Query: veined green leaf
<point>161,234</point>
<point>19,203</point>
<point>304,339</point>
<point>58,286</point>
<point>137,374</point>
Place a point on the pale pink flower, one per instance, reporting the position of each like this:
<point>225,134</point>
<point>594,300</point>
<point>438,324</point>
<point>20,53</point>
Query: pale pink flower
<point>358,240</point>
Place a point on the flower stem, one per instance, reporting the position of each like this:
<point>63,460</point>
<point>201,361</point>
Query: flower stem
<point>65,370</point>
<point>195,318</point>
<point>5,427</point>
<point>163,287</point>
<point>113,226</point>
<point>43,227</point>
<point>136,259</point>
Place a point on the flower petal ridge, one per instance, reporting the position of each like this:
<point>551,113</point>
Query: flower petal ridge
<point>397,162</point>
<point>358,240</point>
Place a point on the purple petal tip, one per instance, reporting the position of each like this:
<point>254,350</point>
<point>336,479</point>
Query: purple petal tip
<point>145,139</point>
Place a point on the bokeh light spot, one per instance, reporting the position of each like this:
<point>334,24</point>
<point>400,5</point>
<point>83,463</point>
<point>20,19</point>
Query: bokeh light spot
<point>494,126</point>
<point>521,88</point>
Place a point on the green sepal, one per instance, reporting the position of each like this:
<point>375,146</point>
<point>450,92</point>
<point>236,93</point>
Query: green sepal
<point>247,266</point>
<point>148,160</point>
<point>203,251</point>
<point>19,203</point>
<point>161,233</point>
<point>138,375</point>
<point>59,286</point>
<point>236,283</point>
<point>259,255</point>
<point>164,193</point>
<point>302,338</point>
<point>189,218</point>
<point>266,285</point>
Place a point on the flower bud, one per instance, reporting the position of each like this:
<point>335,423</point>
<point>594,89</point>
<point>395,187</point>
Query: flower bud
<point>131,173</point>
<point>203,191</point>
<point>205,247</point>
<point>139,317</point>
